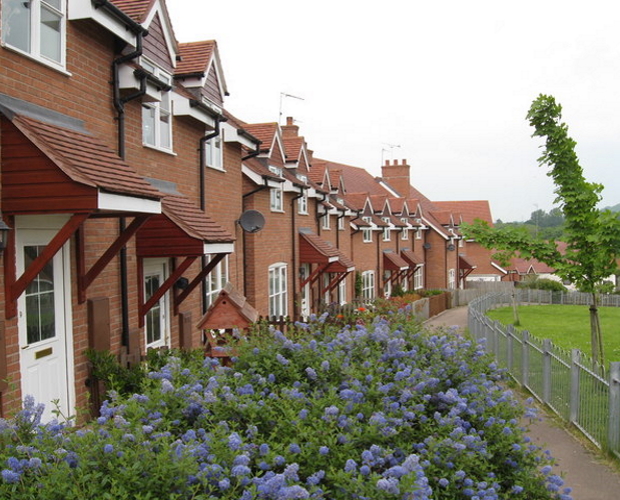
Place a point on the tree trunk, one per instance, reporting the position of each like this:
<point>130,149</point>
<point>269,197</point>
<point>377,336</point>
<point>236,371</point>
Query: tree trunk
<point>596,338</point>
<point>515,309</point>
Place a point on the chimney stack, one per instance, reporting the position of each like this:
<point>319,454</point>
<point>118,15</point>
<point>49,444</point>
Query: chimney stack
<point>397,176</point>
<point>290,129</point>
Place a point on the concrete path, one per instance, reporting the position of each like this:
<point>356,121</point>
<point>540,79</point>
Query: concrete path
<point>583,470</point>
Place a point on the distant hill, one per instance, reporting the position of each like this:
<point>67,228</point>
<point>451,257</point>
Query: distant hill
<point>615,208</point>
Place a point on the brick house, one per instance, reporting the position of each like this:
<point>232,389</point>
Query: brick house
<point>127,194</point>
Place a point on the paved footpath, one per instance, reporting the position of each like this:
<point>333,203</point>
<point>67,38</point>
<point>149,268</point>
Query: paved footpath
<point>583,470</point>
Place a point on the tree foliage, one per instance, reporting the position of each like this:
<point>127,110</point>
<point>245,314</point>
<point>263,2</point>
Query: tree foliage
<point>592,236</point>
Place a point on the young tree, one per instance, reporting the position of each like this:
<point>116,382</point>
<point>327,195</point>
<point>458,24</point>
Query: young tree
<point>592,235</point>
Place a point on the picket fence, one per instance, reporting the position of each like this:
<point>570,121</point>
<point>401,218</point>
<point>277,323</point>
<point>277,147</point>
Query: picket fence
<point>568,382</point>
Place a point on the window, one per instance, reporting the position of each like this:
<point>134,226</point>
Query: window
<point>214,157</point>
<point>216,280</point>
<point>418,234</point>
<point>156,319</point>
<point>367,231</point>
<point>368,285</point>
<point>36,28</point>
<point>418,279</point>
<point>326,221</point>
<point>386,230</point>
<point>278,305</point>
<point>302,203</point>
<point>275,194</point>
<point>341,223</point>
<point>451,279</point>
<point>342,292</point>
<point>404,235</point>
<point>157,116</point>
<point>461,242</point>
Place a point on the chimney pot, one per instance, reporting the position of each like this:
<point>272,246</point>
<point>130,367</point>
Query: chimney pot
<point>289,120</point>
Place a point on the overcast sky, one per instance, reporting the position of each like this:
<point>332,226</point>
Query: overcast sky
<point>443,84</point>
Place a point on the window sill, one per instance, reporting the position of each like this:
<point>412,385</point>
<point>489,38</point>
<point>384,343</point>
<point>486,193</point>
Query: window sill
<point>44,62</point>
<point>217,169</point>
<point>161,150</point>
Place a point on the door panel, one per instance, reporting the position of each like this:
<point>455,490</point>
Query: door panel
<point>42,320</point>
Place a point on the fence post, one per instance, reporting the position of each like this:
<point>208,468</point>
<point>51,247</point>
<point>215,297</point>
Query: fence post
<point>546,370</point>
<point>525,358</point>
<point>574,385</point>
<point>613,430</point>
<point>509,354</point>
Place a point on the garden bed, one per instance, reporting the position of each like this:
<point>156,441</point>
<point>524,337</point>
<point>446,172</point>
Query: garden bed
<point>379,410</point>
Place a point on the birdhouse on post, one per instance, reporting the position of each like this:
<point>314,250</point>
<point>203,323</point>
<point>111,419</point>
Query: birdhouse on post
<point>229,312</point>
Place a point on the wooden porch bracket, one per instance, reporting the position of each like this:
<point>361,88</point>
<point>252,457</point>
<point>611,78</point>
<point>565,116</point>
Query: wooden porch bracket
<point>336,280</point>
<point>215,260</point>
<point>314,275</point>
<point>85,279</point>
<point>15,287</point>
<point>144,307</point>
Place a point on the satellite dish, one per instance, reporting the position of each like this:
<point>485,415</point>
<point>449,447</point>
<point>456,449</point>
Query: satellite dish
<point>252,221</point>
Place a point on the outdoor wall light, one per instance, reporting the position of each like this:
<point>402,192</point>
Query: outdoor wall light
<point>182,283</point>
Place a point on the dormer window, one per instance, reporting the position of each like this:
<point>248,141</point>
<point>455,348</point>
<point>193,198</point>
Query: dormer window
<point>214,157</point>
<point>275,170</point>
<point>35,28</point>
<point>157,116</point>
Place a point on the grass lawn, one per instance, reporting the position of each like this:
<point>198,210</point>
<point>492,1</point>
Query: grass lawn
<point>566,326</point>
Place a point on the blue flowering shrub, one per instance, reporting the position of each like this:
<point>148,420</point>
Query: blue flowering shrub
<point>382,411</point>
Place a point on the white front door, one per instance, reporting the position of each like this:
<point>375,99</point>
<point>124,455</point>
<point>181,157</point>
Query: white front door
<point>44,326</point>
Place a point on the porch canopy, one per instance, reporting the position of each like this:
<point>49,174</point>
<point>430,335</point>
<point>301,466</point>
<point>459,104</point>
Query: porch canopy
<point>465,267</point>
<point>52,165</point>
<point>395,263</point>
<point>329,259</point>
<point>181,230</point>
<point>410,258</point>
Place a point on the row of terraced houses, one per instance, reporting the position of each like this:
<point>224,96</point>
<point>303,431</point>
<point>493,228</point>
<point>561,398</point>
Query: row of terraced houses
<point>131,197</point>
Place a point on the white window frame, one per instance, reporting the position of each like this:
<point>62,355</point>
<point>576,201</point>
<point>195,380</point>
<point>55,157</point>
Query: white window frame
<point>217,279</point>
<point>157,267</point>
<point>418,278</point>
<point>368,285</point>
<point>404,235</point>
<point>342,291</point>
<point>161,112</point>
<point>275,199</point>
<point>341,223</point>
<point>418,234</point>
<point>214,152</point>
<point>367,231</point>
<point>302,203</point>
<point>277,287</point>
<point>35,24</point>
<point>386,230</point>
<point>326,223</point>
<point>451,279</point>
<point>276,194</point>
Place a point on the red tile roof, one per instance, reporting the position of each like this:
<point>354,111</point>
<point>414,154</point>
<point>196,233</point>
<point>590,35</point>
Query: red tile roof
<point>85,159</point>
<point>394,262</point>
<point>264,132</point>
<point>195,57</point>
<point>136,9</point>
<point>469,210</point>
<point>193,221</point>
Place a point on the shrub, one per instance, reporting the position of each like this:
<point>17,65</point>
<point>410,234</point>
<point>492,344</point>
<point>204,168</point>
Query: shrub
<point>543,284</point>
<point>382,411</point>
